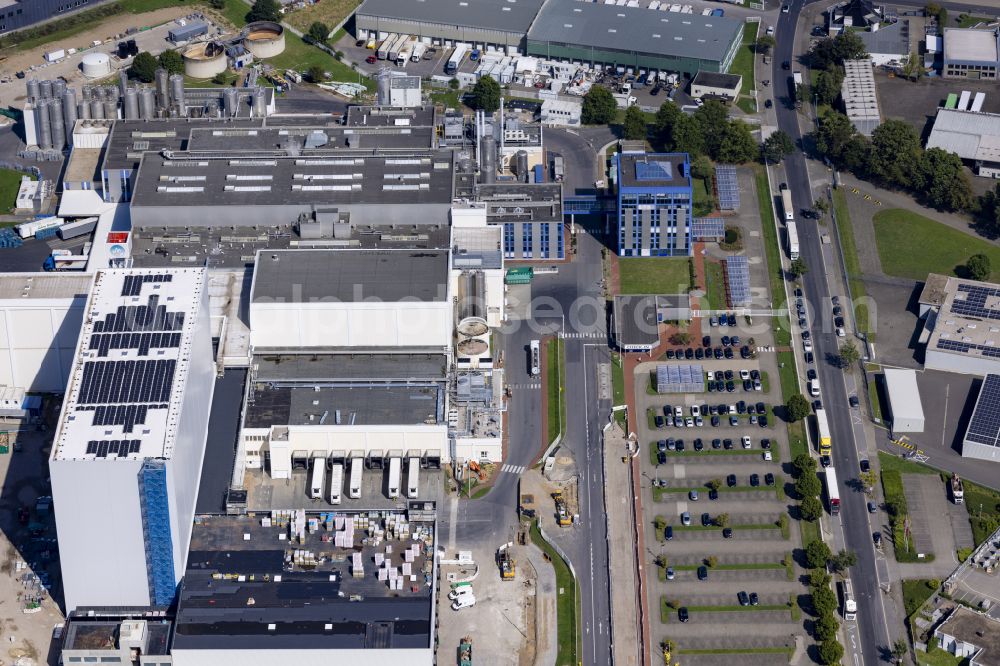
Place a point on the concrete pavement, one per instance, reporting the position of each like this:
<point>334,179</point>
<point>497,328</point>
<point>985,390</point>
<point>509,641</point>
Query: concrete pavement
<point>621,539</point>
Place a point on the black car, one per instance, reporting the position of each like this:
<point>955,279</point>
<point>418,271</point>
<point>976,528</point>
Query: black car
<point>731,319</point>
<point>670,354</point>
<point>702,573</point>
<point>360,43</point>
<point>713,410</point>
<point>699,353</point>
<point>786,65</point>
<point>730,386</point>
<point>811,373</point>
<point>762,421</point>
<point>765,444</point>
<point>689,353</point>
<point>682,614</point>
<point>727,444</point>
<point>716,443</point>
<point>837,311</point>
<point>865,465</point>
<point>717,352</point>
<point>706,341</point>
<point>754,599</point>
<point>725,340</point>
<point>706,520</point>
<point>838,322</point>
<point>741,407</point>
<point>715,421</point>
<point>872,507</point>
<point>668,533</point>
<point>720,386</point>
<point>761,408</point>
<point>734,341</point>
<point>817,405</point>
<point>809,357</point>
<point>744,352</point>
<point>680,444</point>
<point>698,445</point>
<point>877,539</point>
<point>768,103</point>
<point>668,411</point>
<point>798,292</point>
<point>728,374</point>
<point>658,421</point>
<point>751,409</point>
<point>727,533</point>
<point>731,480</point>
<point>755,374</point>
<point>853,401</point>
<point>824,461</point>
<point>747,385</point>
<point>805,335</point>
<point>661,458</point>
<point>743,598</point>
<point>655,91</point>
<point>713,495</point>
<point>754,480</point>
<point>728,353</point>
<point>769,479</point>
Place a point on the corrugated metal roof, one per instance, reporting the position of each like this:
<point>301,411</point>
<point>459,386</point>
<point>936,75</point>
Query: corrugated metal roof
<point>504,15</point>
<point>972,136</point>
<point>635,29</point>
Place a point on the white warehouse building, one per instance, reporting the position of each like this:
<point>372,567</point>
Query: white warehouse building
<point>904,400</point>
<point>127,453</point>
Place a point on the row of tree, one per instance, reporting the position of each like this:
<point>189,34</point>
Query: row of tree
<point>709,131</point>
<point>145,64</point>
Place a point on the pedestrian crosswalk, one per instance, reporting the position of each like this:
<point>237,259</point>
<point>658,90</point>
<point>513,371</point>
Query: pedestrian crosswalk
<point>597,335</point>
<point>513,469</point>
<point>527,385</point>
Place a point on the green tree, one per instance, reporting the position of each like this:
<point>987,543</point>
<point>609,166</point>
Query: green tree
<point>811,508</point>
<point>316,74</point>
<point>830,652</point>
<point>979,267</point>
<point>722,520</point>
<point>737,145</point>
<point>821,205</point>
<point>776,146</point>
<point>824,601</point>
<point>765,43</point>
<point>701,167</point>
<point>868,480</point>
<point>172,61</point>
<point>900,649</point>
<point>711,561</point>
<point>144,67</point>
<point>319,31</point>
<point>798,268</point>
<point>942,182</point>
<point>843,560</point>
<point>817,554</point>
<point>687,136</point>
<point>454,84</point>
<point>714,484</point>
<point>681,338</point>
<point>797,407</point>
<point>856,155</point>
<point>217,4</point>
<point>895,153</point>
<point>913,67</point>
<point>803,463</point>
<point>849,355</point>
<point>712,119</point>
<point>599,106</point>
<point>832,135</point>
<point>666,117</point>
<point>486,94</point>
<point>819,578</point>
<point>826,85</point>
<point>807,485</point>
<point>826,627</point>
<point>634,126</point>
<point>835,50</point>
<point>264,10</point>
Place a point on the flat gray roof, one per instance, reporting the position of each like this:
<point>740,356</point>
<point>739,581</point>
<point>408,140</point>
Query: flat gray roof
<point>377,116</point>
<point>971,45</point>
<point>349,367</point>
<point>521,202</point>
<point>301,276</point>
<point>635,29</point>
<point>892,39</point>
<point>368,405</point>
<point>716,79</point>
<point>635,321</point>
<point>507,16</point>
<point>657,170</point>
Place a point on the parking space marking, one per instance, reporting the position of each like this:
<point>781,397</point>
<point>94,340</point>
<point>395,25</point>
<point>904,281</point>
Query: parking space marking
<point>680,472</point>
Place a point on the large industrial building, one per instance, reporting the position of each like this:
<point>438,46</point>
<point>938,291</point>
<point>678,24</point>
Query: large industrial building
<point>127,453</point>
<point>654,204</point>
<point>638,37</point>
<point>961,331</point>
<point>972,135</point>
<point>18,14</point>
<point>971,54</point>
<point>858,94</point>
<point>982,435</point>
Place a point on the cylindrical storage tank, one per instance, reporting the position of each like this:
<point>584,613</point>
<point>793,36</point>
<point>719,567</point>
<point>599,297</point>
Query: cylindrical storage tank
<point>58,88</point>
<point>162,89</point>
<point>34,90</point>
<point>46,89</point>
<point>110,110</point>
<point>488,163</point>
<point>177,92</point>
<point>42,125</point>
<point>264,39</point>
<point>96,65</point>
<point>260,102</point>
<point>58,126</point>
<point>522,166</point>
<point>69,113</point>
<point>147,104</point>
<point>122,82</point>
<point>230,99</point>
<point>111,93</point>
<point>382,88</point>
<point>83,110</point>
<point>96,109</point>
<point>131,104</point>
<point>205,60</point>
<point>85,93</point>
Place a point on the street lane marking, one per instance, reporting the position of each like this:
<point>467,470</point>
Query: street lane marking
<point>513,469</point>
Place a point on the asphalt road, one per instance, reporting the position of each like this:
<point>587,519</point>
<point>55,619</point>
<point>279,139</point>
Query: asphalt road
<point>871,627</point>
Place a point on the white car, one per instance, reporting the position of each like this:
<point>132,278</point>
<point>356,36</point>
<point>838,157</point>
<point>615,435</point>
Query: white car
<point>689,422</point>
<point>770,30</point>
<point>767,456</point>
<point>744,375</point>
<point>710,375</point>
<point>698,422</point>
<point>685,518</point>
<point>807,346</point>
<point>840,332</point>
<point>732,409</point>
<point>695,410</point>
<point>466,601</point>
<point>460,592</point>
<point>678,411</point>
<point>746,442</point>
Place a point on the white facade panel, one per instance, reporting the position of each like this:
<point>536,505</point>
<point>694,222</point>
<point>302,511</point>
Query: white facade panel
<point>304,657</point>
<point>479,449</point>
<point>38,342</point>
<point>961,363</point>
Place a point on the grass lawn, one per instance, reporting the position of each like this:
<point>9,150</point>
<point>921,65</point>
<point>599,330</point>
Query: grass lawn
<point>850,249</point>
<point>743,64</point>
<point>967,21</point>
<point>765,203</point>
<point>983,505</point>
<point>938,658</point>
<point>873,396</point>
<point>448,98</point>
<point>915,592</point>
<point>557,410</point>
<point>618,389</point>
<point>330,12</point>
<point>10,183</point>
<point>566,601</point>
<point>892,485</point>
<point>704,202</point>
<point>911,246</point>
<point>716,284</point>
<point>895,463</point>
<point>655,275</point>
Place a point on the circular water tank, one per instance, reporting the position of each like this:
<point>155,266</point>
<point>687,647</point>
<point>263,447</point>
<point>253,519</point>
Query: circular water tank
<point>96,65</point>
<point>205,60</point>
<point>264,39</point>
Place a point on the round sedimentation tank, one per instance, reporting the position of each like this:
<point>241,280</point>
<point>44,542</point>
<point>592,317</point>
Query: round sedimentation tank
<point>473,326</point>
<point>96,65</point>
<point>472,347</point>
<point>205,60</point>
<point>147,104</point>
<point>131,104</point>
<point>264,39</point>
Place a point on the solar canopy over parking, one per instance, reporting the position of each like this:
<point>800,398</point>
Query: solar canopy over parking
<point>738,281</point>
<point>727,186</point>
<point>680,379</point>
<point>707,228</point>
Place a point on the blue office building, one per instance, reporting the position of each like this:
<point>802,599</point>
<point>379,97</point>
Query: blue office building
<point>654,204</point>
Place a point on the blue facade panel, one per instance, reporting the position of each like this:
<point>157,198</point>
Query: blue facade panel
<point>655,198</point>
<point>156,529</point>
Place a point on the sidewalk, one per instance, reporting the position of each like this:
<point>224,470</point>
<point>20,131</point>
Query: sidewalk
<point>621,551</point>
<point>546,649</point>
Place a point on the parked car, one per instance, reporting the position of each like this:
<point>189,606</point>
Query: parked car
<point>872,508</point>
<point>727,533</point>
<point>754,599</point>
<point>706,520</point>
<point>702,573</point>
<point>682,614</point>
<point>769,479</point>
<point>853,401</point>
<point>865,465</point>
<point>693,495</point>
<point>668,533</point>
<point>754,480</point>
<point>685,518</point>
<point>743,598</point>
<point>670,573</point>
<point>731,480</point>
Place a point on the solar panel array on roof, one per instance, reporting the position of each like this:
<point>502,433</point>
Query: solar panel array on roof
<point>681,378</point>
<point>707,228</point>
<point>973,300</point>
<point>738,281</point>
<point>118,447</point>
<point>946,344</point>
<point>139,327</point>
<point>984,426</point>
<point>728,187</point>
<point>653,170</point>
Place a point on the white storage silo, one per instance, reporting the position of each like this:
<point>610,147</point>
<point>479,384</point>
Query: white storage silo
<point>96,65</point>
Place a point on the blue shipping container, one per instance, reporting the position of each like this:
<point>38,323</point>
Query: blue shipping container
<point>539,173</point>
<point>718,12</point>
<point>42,234</point>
